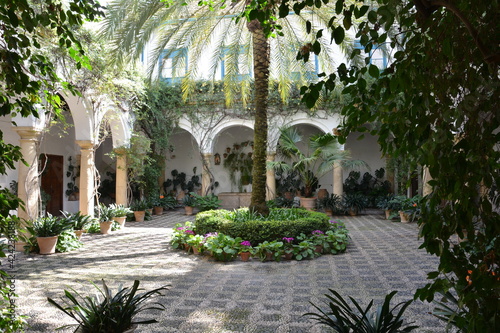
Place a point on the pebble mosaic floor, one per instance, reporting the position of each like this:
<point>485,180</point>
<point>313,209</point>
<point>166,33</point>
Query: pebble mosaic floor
<point>247,297</point>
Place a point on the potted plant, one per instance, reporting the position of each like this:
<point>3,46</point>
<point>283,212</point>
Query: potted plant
<point>197,243</point>
<point>288,247</point>
<point>139,208</point>
<point>169,202</point>
<point>222,247</point>
<point>157,205</point>
<point>105,219</point>
<point>245,250</point>
<point>304,249</point>
<point>46,230</point>
<point>331,204</point>
<point>384,203</point>
<point>269,250</point>
<point>318,238</point>
<point>324,151</point>
<point>78,221</point>
<point>181,234</point>
<point>189,202</point>
<point>409,208</point>
<point>119,213</point>
<point>354,203</point>
<point>207,202</point>
<point>108,311</point>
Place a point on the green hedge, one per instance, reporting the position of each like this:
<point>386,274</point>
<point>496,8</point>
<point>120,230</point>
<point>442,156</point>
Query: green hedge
<point>259,230</point>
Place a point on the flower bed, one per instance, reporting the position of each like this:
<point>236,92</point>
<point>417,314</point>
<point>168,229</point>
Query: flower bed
<point>331,240</point>
<point>281,222</point>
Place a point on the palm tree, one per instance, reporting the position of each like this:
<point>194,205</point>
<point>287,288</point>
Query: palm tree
<point>165,28</point>
<point>320,157</point>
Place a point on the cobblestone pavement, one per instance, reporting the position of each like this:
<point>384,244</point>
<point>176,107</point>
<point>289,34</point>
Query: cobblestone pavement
<point>208,296</point>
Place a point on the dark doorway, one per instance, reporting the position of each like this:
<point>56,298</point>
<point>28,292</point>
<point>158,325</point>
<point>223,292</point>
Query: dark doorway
<point>52,182</point>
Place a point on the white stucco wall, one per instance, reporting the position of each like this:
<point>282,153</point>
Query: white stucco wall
<point>366,149</point>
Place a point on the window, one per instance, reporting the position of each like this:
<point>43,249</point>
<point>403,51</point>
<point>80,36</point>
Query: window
<point>173,65</point>
<point>378,56</point>
<point>242,68</point>
<point>311,72</point>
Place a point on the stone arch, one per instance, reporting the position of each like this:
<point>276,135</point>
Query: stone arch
<point>83,116</point>
<point>217,130</point>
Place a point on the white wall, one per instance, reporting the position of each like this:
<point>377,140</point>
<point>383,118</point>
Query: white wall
<point>58,140</point>
<point>366,149</point>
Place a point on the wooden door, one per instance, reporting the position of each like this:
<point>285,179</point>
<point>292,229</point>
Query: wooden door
<point>52,182</point>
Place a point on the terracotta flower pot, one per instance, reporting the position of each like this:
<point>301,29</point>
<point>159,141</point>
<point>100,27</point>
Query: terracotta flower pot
<point>121,220</point>
<point>288,256</point>
<point>405,218</point>
<point>329,211</point>
<point>105,227</point>
<point>319,249</point>
<point>19,246</point>
<point>245,256</point>
<point>139,216</point>
<point>78,233</point>
<point>387,213</point>
<point>308,203</point>
<point>188,210</point>
<point>158,210</point>
<point>47,245</point>
<point>322,193</point>
<point>269,256</point>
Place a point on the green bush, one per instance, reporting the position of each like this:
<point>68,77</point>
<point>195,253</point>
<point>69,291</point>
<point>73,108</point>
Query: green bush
<point>257,229</point>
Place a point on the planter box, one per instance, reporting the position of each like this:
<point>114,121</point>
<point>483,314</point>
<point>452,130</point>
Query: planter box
<point>234,200</point>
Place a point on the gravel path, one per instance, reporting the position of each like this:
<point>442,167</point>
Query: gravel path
<point>208,296</point>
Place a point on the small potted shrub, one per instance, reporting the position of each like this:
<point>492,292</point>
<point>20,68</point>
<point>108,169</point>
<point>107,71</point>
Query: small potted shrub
<point>181,234</point>
<point>331,204</point>
<point>288,247</point>
<point>189,202</point>
<point>384,203</point>
<point>354,203</point>
<point>269,250</point>
<point>108,311</point>
<point>46,230</point>
<point>409,208</point>
<point>169,202</point>
<point>245,250</point>
<point>119,213</point>
<point>105,219</point>
<point>79,222</point>
<point>197,243</point>
<point>204,203</point>
<point>139,208</point>
<point>222,247</point>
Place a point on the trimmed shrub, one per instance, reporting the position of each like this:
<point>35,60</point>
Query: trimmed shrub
<point>280,223</point>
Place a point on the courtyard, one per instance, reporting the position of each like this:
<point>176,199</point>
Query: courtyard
<point>209,296</point>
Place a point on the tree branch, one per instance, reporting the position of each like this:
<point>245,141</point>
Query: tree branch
<point>428,6</point>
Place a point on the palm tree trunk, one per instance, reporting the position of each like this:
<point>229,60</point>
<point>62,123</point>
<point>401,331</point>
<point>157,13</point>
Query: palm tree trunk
<point>261,75</point>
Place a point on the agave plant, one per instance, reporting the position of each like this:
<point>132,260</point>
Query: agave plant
<point>346,319</point>
<point>111,314</point>
<point>77,220</point>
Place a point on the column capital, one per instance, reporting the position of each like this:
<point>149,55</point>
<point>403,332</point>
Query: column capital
<point>27,132</point>
<point>85,144</point>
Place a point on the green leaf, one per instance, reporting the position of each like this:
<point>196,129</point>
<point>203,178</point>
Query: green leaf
<point>339,6</point>
<point>373,71</point>
<point>339,35</point>
<point>308,27</point>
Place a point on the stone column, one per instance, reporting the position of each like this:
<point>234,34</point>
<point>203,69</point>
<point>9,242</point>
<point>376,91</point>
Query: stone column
<point>205,176</point>
<point>121,177</point>
<point>338,179</point>
<point>270,178</point>
<point>87,182</point>
<point>426,177</point>
<point>28,188</point>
